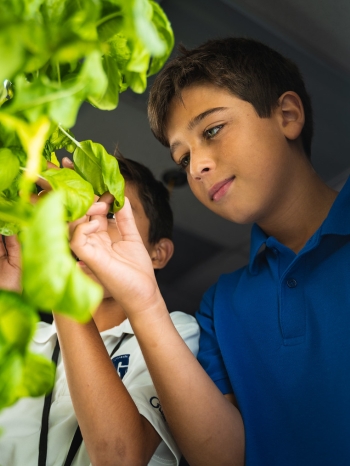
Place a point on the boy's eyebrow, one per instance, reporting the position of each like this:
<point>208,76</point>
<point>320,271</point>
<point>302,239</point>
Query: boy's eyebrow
<point>192,124</point>
<point>197,119</point>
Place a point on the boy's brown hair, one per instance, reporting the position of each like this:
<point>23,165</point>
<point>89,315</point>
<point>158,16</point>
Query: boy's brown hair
<point>154,197</point>
<point>248,69</point>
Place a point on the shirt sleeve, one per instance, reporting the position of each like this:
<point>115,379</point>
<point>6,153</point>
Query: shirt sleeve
<point>209,354</point>
<point>140,386</point>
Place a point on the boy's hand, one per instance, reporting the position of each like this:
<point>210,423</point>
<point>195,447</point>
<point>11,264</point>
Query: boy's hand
<point>10,263</point>
<point>123,267</point>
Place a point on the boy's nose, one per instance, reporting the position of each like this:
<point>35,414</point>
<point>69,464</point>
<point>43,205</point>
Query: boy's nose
<point>200,166</point>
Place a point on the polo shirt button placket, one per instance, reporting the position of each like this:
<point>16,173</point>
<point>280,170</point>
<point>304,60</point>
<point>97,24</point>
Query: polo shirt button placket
<point>291,283</point>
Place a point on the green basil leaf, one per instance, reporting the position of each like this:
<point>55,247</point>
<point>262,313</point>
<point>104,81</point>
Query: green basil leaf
<point>38,376</point>
<point>8,137</point>
<point>114,64</point>
<point>142,27</point>
<point>110,23</point>
<point>14,215</point>
<point>165,33</point>
<point>48,266</point>
<point>21,373</point>
<point>58,140</point>
<point>32,137</point>
<point>9,160</point>
<point>94,78</point>
<point>11,51</point>
<point>59,101</point>
<point>17,321</point>
<point>79,195</point>
<point>101,169</point>
<point>10,378</point>
<point>12,192</point>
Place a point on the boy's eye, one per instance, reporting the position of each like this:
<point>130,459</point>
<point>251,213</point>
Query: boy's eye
<point>184,162</point>
<point>110,215</point>
<point>211,132</point>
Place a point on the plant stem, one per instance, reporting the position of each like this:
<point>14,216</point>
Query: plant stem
<point>69,136</point>
<point>26,169</point>
<point>107,18</point>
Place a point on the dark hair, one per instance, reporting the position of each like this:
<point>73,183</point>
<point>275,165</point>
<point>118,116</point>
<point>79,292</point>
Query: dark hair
<point>153,195</point>
<point>249,69</point>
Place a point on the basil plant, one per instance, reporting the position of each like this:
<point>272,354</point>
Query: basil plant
<point>54,55</point>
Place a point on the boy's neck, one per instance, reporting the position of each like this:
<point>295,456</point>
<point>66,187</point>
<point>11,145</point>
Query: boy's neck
<point>108,315</point>
<point>303,211</point>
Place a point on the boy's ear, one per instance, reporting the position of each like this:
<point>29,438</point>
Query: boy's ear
<point>292,115</point>
<point>162,252</point>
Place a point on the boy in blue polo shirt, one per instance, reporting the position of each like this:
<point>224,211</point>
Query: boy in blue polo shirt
<point>275,389</point>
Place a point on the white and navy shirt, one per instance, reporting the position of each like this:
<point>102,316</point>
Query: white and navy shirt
<point>21,423</point>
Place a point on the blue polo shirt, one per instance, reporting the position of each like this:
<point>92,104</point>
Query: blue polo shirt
<point>276,333</point>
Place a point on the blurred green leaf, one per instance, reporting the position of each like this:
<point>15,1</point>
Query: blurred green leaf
<point>21,373</point>
<point>38,376</point>
<point>58,140</point>
<point>14,215</point>
<point>17,321</point>
<point>48,266</point>
<point>11,51</point>
<point>9,160</point>
<point>10,378</point>
<point>165,32</point>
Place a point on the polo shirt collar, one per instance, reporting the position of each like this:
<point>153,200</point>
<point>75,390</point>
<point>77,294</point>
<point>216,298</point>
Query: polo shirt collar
<point>257,240</point>
<point>336,223</point>
<point>46,331</point>
<point>338,220</point>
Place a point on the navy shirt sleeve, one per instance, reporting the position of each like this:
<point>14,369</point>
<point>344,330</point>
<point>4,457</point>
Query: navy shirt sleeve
<point>209,354</point>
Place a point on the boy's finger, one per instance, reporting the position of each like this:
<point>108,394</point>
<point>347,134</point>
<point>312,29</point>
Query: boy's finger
<point>12,243</point>
<point>43,184</point>
<point>82,231</point>
<point>126,223</point>
<point>9,245</point>
<point>3,251</point>
<point>67,163</point>
<point>98,208</point>
<point>107,197</point>
<point>52,165</point>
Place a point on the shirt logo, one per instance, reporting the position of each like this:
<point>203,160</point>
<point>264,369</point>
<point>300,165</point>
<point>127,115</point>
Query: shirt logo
<point>154,401</point>
<point>121,363</point>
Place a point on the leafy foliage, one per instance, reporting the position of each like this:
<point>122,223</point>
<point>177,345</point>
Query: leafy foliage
<point>54,55</point>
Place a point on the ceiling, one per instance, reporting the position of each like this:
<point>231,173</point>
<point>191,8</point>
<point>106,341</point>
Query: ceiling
<point>313,33</point>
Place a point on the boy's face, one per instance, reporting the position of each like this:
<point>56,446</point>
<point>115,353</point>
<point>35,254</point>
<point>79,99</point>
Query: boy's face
<point>237,164</point>
<point>142,223</point>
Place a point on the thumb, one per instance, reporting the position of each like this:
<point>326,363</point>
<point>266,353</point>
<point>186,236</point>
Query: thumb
<point>126,223</point>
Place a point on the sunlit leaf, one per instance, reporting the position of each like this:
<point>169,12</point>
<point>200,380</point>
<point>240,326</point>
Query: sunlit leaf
<point>48,266</point>
<point>32,137</point>
<point>165,32</point>
<point>14,215</point>
<point>77,192</point>
<point>9,160</point>
<point>17,320</point>
<point>38,376</point>
<point>10,379</point>
<point>101,169</point>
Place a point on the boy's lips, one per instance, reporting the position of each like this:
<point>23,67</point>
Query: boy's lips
<point>220,189</point>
